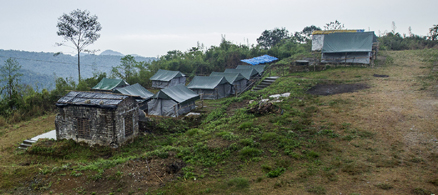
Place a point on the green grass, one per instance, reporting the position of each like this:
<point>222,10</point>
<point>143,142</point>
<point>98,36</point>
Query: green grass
<point>229,150</point>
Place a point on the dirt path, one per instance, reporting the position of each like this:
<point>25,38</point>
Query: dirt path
<point>402,114</point>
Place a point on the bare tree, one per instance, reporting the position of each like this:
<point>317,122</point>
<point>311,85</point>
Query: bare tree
<point>433,32</point>
<point>336,25</point>
<point>79,28</point>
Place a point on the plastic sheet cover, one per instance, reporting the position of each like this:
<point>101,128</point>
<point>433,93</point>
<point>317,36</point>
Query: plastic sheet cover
<point>260,60</point>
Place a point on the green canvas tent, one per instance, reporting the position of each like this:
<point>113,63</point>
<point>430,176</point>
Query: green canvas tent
<point>135,90</point>
<point>249,74</point>
<point>109,84</point>
<point>238,81</point>
<point>210,87</point>
<point>172,101</point>
<point>348,47</point>
<point>259,68</point>
<point>167,78</point>
<point>141,94</point>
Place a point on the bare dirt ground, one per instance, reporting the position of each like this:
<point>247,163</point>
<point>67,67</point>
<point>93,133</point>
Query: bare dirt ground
<point>331,89</point>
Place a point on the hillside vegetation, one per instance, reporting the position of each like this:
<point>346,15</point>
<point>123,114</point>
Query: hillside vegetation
<point>378,140</point>
<point>41,69</point>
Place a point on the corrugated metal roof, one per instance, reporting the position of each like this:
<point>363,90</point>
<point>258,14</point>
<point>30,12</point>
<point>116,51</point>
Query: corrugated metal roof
<point>135,90</point>
<point>206,82</point>
<point>166,75</point>
<point>109,84</point>
<point>260,60</point>
<point>231,77</point>
<point>94,99</point>
<point>178,93</point>
<point>247,73</point>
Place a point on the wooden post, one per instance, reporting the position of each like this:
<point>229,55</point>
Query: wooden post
<point>202,101</point>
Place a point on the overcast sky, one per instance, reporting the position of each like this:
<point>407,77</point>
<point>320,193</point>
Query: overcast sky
<point>153,27</point>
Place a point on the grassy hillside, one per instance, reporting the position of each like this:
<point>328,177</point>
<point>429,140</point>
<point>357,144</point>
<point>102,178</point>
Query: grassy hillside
<point>378,140</point>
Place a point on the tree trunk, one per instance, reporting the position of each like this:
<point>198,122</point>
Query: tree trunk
<point>79,65</point>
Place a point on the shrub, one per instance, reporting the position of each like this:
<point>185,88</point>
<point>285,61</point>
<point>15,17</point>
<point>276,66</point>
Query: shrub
<point>277,172</point>
<point>192,132</point>
<point>266,167</point>
<point>312,154</point>
<point>227,135</point>
<point>269,136</point>
<point>3,121</point>
<point>246,125</point>
<point>249,152</point>
<point>247,141</point>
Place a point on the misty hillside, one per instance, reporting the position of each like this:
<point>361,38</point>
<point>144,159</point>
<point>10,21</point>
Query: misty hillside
<point>41,69</point>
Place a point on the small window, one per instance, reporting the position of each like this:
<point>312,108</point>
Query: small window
<point>83,128</point>
<point>128,126</point>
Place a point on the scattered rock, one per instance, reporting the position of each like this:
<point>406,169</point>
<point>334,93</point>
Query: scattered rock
<point>264,108</point>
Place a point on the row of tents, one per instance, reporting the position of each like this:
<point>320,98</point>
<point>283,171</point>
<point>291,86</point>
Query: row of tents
<point>175,98</point>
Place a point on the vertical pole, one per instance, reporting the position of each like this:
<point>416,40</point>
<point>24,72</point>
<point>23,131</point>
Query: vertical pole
<point>202,101</point>
<point>345,59</point>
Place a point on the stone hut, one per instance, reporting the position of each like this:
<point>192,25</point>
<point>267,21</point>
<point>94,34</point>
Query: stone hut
<point>97,118</point>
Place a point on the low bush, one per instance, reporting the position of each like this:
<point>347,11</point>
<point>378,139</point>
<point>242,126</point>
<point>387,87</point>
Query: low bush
<point>277,172</point>
<point>249,152</point>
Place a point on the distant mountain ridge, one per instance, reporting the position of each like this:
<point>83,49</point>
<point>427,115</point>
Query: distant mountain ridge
<point>111,53</point>
<point>42,68</point>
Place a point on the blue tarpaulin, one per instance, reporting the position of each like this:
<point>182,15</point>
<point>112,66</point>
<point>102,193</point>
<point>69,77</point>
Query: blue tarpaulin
<point>260,60</point>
